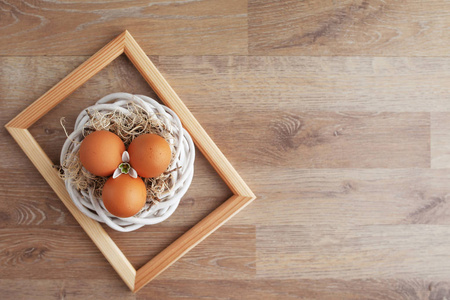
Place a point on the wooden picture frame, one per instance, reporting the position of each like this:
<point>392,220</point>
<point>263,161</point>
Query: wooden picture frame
<point>125,44</point>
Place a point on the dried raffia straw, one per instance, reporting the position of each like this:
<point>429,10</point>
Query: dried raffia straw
<point>129,116</point>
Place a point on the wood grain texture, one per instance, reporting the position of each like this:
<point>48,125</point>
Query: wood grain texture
<point>229,289</point>
<point>162,27</point>
<point>369,28</point>
<point>55,252</point>
<point>352,252</point>
<point>328,289</point>
<point>329,139</point>
<point>68,84</point>
<point>331,197</point>
<point>360,214</point>
<point>440,140</point>
<point>230,253</point>
<point>63,289</point>
<point>247,84</point>
<point>52,252</point>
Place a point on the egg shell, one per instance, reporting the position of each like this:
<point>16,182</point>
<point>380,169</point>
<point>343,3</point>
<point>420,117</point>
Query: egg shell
<point>101,152</point>
<point>124,196</point>
<point>150,155</point>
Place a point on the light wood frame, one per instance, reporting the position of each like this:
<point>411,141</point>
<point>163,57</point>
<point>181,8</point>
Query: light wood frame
<point>18,128</point>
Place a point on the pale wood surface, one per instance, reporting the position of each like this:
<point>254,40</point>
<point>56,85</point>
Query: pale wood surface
<point>391,28</point>
<point>167,27</point>
<point>69,84</point>
<point>348,155</point>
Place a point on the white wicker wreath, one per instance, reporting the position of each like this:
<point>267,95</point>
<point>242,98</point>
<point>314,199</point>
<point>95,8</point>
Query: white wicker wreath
<point>182,146</point>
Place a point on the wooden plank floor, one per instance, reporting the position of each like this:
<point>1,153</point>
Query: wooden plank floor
<point>336,113</point>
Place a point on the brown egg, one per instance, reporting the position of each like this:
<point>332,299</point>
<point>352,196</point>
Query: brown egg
<point>124,196</point>
<point>149,155</point>
<point>101,152</point>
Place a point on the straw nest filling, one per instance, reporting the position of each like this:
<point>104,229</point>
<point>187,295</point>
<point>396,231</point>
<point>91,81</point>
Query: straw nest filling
<point>128,127</point>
